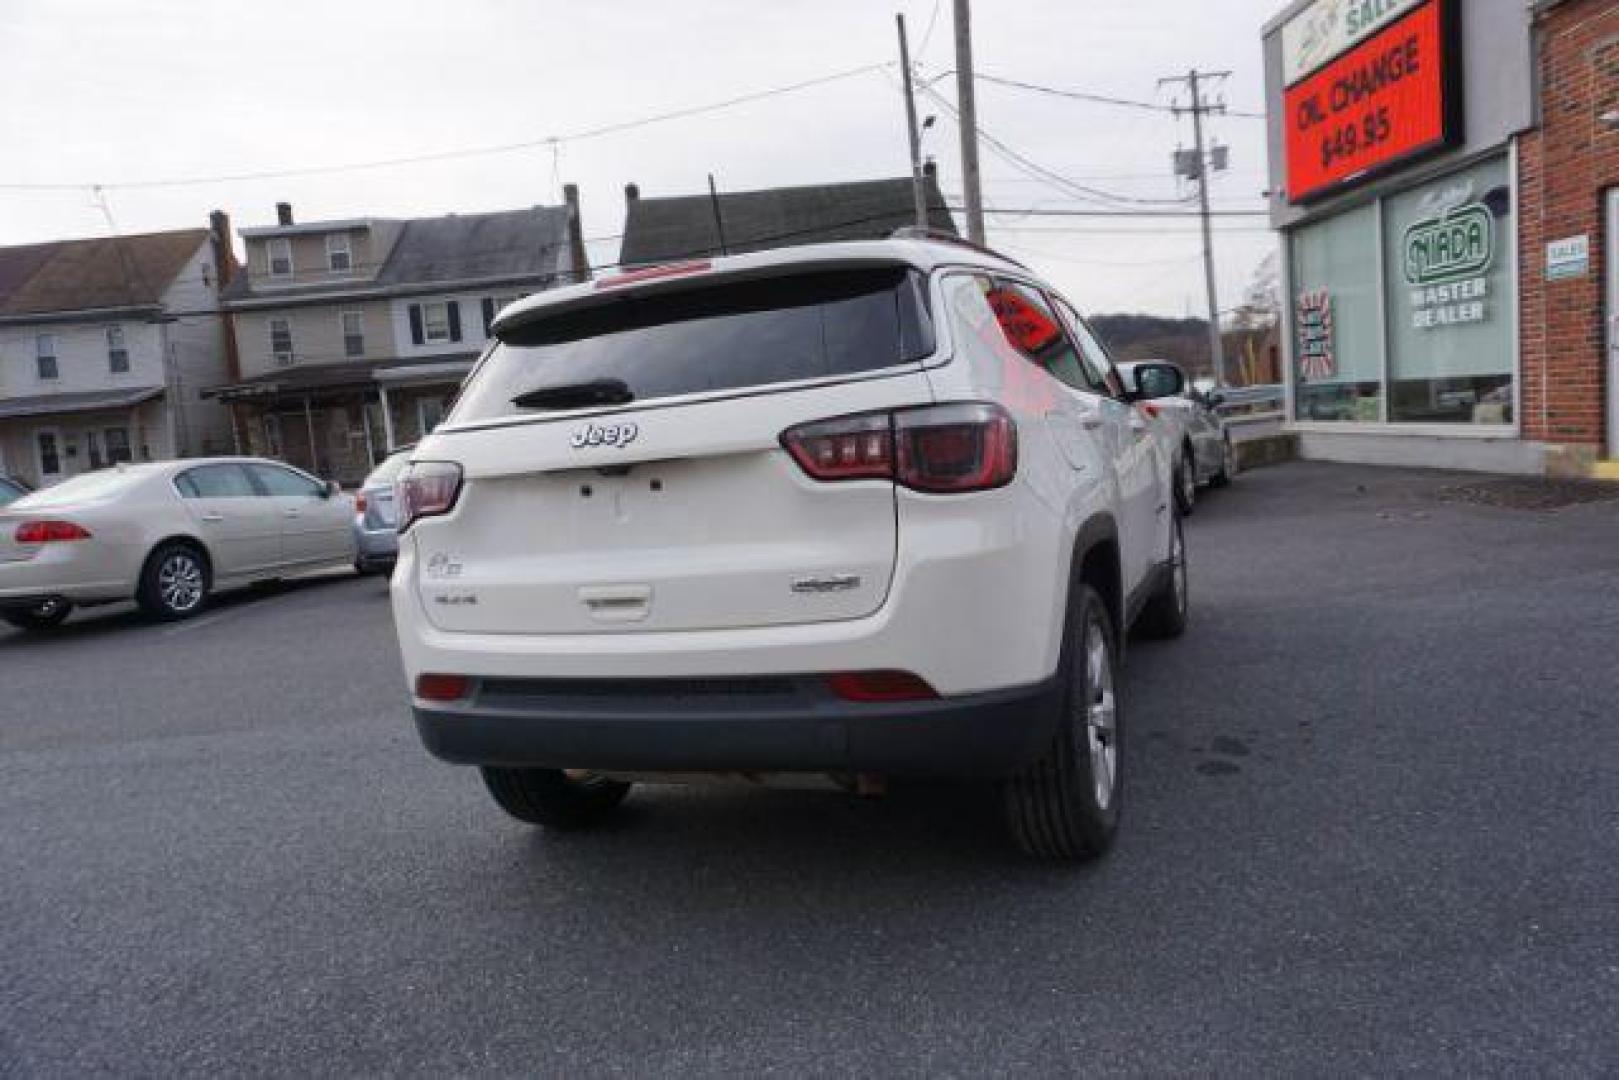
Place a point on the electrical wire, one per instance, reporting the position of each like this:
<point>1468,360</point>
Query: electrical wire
<point>450,155</point>
<point>1103,99</point>
<point>1033,168</point>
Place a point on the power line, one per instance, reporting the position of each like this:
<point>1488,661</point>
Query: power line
<point>549,141</point>
<point>1082,192</point>
<point>1101,99</point>
<point>927,35</point>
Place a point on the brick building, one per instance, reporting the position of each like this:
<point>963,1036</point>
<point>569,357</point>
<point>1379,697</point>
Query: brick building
<point>1569,190</point>
<point>1443,176</point>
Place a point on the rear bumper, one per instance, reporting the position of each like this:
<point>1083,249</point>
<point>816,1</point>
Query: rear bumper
<point>792,727</point>
<point>375,546</point>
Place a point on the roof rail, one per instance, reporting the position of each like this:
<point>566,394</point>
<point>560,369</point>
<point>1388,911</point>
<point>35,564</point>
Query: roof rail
<point>911,232</point>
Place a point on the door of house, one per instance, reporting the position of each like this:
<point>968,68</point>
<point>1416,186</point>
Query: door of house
<point>1611,258</point>
<point>48,455</point>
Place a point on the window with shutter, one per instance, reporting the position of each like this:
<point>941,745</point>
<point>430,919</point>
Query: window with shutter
<point>435,322</point>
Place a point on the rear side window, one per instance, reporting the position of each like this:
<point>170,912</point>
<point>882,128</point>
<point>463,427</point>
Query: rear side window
<point>724,337</point>
<point>277,481</point>
<point>215,482</point>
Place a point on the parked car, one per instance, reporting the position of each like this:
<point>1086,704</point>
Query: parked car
<point>868,510</point>
<point>1191,423</point>
<point>167,535</point>
<point>376,534</point>
<point>11,490</point>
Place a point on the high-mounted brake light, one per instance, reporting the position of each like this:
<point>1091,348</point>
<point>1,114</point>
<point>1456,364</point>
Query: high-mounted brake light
<point>653,273</point>
<point>427,489</point>
<point>50,532</point>
<point>939,449</point>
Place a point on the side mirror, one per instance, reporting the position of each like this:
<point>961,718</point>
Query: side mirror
<point>1214,399</point>
<point>1154,380</point>
<point>329,489</point>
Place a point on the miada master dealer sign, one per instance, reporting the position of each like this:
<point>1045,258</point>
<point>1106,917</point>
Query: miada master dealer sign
<point>1388,99</point>
<point>1447,262</point>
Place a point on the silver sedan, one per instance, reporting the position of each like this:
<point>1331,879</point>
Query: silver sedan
<point>167,535</point>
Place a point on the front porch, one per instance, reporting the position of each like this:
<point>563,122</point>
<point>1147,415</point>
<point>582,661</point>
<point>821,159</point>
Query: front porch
<point>340,424</point>
<point>47,439</point>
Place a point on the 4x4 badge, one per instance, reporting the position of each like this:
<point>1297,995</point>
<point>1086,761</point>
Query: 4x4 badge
<point>619,435</point>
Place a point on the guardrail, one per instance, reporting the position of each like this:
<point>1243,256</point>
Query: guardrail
<point>1243,405</point>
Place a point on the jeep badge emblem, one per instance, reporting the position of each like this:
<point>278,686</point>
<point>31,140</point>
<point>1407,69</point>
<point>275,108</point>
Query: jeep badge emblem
<point>619,435</point>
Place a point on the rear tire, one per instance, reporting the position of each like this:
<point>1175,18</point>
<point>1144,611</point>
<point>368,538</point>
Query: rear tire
<point>1185,481</point>
<point>175,582</point>
<point>1065,806</point>
<point>44,616</point>
<point>1165,614</point>
<point>551,798</point>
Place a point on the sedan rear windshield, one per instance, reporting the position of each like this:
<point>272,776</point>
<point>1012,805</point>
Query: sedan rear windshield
<point>724,337</point>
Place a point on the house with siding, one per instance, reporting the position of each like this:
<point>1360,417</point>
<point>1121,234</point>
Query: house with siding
<point>105,346</point>
<point>355,334</point>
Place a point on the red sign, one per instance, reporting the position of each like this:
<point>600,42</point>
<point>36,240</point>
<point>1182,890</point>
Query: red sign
<point>1384,101</point>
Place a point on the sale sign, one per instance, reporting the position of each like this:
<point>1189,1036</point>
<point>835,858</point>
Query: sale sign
<point>1386,100</point>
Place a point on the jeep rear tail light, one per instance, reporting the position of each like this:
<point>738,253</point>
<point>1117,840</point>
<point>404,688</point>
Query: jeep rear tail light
<point>849,448</point>
<point>950,448</point>
<point>50,532</point>
<point>880,686</point>
<point>427,489</point>
<point>938,449</point>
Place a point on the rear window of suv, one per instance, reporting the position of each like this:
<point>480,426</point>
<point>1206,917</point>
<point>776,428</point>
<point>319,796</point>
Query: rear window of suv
<point>707,339</point>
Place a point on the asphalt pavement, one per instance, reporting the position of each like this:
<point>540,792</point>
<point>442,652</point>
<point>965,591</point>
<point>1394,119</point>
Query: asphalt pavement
<point>1371,827</point>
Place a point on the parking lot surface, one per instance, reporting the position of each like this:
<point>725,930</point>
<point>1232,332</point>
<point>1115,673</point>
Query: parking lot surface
<point>1371,826</point>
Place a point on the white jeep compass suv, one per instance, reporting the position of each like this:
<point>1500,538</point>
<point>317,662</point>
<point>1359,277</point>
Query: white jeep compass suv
<point>859,510</point>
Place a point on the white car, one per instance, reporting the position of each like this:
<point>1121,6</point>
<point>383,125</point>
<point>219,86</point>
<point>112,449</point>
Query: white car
<point>1194,430</point>
<point>167,535</point>
<point>866,510</point>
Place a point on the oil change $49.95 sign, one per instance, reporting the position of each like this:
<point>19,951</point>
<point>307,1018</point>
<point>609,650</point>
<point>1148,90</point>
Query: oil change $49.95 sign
<point>1381,102</point>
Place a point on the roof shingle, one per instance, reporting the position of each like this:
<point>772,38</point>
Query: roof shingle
<point>658,230</point>
<point>102,272</point>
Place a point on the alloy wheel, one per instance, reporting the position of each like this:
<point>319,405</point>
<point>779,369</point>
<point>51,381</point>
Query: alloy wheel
<point>180,583</point>
<point>1101,715</point>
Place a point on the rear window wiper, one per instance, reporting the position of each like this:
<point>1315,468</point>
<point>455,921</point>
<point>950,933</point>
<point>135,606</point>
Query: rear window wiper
<point>576,395</point>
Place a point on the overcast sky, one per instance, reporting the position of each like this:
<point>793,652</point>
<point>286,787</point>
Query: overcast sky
<point>121,91</point>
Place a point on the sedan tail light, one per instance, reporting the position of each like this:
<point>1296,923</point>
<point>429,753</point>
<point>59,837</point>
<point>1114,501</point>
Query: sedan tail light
<point>427,489</point>
<point>939,449</point>
<point>359,502</point>
<point>50,532</point>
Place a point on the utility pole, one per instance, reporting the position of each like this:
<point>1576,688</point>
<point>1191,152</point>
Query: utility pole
<point>918,192</point>
<point>972,188</point>
<point>1197,166</point>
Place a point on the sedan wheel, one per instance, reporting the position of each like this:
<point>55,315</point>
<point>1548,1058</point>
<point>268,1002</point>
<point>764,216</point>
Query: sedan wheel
<point>174,584</point>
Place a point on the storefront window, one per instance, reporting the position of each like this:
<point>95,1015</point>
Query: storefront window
<point>1337,347</point>
<point>1450,297</point>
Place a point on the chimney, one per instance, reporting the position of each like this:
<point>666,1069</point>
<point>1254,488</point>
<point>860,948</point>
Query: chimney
<point>283,213</point>
<point>226,267</point>
<point>579,259</point>
<point>224,254</point>
<point>632,192</point>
